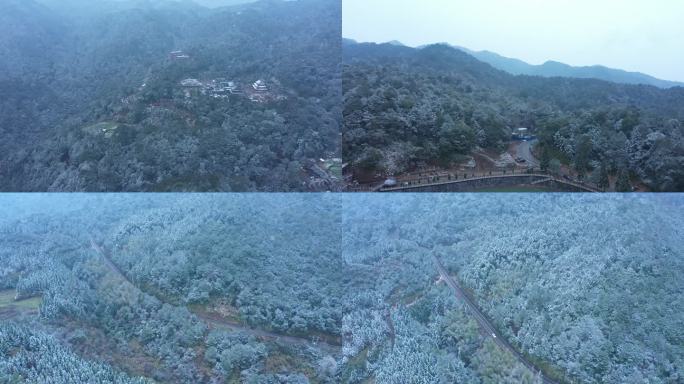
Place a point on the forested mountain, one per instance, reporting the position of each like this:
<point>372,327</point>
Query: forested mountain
<point>173,289</point>
<point>556,69</point>
<point>404,107</point>
<point>94,98</point>
<point>588,288</point>
<point>339,288</point>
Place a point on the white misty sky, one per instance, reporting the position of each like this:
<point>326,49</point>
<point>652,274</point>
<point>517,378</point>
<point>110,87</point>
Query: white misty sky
<point>635,35</point>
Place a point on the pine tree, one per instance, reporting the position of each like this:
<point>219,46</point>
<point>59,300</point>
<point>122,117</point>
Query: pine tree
<point>603,181</point>
<point>545,159</point>
<point>622,184</point>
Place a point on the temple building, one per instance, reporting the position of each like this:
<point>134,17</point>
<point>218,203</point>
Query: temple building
<point>191,83</point>
<point>260,86</point>
<point>521,134</point>
<point>229,86</point>
<point>176,55</point>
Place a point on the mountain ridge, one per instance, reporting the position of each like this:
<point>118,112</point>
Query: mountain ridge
<point>552,68</point>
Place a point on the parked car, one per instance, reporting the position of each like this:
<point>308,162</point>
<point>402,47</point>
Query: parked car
<point>389,183</point>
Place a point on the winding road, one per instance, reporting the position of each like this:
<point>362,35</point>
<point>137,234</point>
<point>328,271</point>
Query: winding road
<point>217,322</point>
<point>486,325</point>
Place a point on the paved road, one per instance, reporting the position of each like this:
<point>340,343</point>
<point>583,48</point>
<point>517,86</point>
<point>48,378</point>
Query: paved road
<point>523,150</point>
<point>485,324</point>
<point>106,256</point>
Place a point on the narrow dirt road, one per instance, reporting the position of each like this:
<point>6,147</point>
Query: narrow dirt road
<point>221,323</point>
<point>218,322</point>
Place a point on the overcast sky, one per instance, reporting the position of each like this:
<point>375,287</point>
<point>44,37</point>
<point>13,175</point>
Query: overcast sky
<point>635,35</point>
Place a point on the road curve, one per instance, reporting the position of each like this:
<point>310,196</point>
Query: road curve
<point>486,325</point>
<point>216,321</point>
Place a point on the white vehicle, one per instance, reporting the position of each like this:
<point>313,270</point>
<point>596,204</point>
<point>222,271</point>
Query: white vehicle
<point>390,183</point>
<point>493,335</point>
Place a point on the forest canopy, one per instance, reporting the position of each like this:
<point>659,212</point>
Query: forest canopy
<point>586,287</point>
<point>172,288</point>
<point>404,107</point>
<point>331,288</point>
<point>93,95</point>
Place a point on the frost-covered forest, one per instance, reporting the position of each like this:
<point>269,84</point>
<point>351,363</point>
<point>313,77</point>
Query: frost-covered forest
<point>340,288</point>
<point>92,95</point>
<point>404,107</point>
<point>172,288</point>
<point>588,288</point>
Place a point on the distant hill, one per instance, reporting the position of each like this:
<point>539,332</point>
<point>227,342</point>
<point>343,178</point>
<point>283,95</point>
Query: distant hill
<point>556,69</point>
<point>82,6</point>
<point>222,3</point>
<point>396,42</point>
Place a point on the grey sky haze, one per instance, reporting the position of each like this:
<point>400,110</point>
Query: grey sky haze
<point>634,35</point>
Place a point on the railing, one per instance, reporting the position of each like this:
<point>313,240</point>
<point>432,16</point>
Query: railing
<point>364,187</point>
<point>429,178</point>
